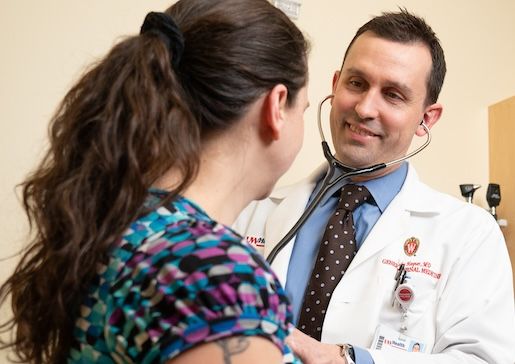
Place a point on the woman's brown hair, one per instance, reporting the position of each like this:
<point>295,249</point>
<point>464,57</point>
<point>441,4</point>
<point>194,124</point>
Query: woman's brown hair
<point>130,118</point>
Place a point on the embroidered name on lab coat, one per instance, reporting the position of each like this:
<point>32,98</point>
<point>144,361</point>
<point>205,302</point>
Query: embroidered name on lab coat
<point>423,267</point>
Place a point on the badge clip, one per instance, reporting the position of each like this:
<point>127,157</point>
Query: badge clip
<point>404,296</point>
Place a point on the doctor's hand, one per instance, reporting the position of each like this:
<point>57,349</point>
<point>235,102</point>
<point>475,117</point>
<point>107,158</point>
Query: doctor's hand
<point>311,351</point>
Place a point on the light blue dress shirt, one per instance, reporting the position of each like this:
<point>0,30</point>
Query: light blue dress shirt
<point>305,249</point>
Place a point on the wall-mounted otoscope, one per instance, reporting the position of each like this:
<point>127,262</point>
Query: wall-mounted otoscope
<point>493,197</point>
<point>467,191</point>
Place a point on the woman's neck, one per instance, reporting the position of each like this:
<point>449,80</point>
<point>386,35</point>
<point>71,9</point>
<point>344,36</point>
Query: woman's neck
<point>223,185</point>
<point>220,184</point>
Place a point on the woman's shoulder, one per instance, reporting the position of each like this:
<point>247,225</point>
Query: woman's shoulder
<point>202,276</point>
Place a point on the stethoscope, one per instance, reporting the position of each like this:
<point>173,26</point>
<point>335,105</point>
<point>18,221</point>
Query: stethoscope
<point>327,183</point>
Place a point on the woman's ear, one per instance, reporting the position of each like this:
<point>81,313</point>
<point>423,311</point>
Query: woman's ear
<point>431,116</point>
<point>274,107</point>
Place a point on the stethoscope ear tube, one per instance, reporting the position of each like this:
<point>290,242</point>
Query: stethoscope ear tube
<point>327,183</point>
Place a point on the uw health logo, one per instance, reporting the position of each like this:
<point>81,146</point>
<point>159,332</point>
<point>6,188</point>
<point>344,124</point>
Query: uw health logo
<point>411,246</point>
<point>255,241</point>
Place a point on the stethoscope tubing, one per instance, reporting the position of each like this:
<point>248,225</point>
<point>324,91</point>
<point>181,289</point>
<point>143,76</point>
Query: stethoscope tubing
<point>327,183</point>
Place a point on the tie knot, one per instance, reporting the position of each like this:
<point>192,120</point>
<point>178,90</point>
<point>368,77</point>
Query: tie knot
<point>353,196</point>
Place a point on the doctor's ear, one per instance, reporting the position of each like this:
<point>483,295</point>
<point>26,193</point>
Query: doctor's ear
<point>274,107</point>
<point>431,116</point>
<point>336,78</point>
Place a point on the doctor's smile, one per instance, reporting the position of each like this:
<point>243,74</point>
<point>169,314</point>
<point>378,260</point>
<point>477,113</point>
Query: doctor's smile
<point>360,131</point>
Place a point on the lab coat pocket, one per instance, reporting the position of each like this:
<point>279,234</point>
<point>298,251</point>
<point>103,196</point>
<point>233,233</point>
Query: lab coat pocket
<point>354,310</point>
<point>420,312</point>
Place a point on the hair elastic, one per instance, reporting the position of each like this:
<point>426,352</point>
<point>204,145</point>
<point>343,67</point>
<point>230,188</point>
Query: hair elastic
<point>163,25</point>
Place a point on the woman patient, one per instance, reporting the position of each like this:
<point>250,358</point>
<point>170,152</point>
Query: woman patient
<point>153,153</point>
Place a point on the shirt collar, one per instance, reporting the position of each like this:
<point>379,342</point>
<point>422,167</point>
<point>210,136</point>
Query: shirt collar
<point>383,189</point>
<point>386,187</point>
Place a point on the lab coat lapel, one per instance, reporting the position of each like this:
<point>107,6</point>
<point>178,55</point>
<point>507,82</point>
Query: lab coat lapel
<point>390,228</point>
<point>293,201</point>
<point>395,221</point>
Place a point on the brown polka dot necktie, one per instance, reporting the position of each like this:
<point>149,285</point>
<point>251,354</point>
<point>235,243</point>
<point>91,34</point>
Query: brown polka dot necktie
<point>335,253</point>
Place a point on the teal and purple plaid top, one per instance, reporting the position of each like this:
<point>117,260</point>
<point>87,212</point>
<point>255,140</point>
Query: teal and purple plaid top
<point>177,279</point>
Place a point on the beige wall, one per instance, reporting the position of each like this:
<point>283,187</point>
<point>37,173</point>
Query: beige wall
<point>45,45</point>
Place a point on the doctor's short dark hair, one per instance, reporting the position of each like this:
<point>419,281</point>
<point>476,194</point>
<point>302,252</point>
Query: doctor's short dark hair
<point>405,27</point>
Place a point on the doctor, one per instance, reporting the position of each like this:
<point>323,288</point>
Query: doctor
<point>428,268</point>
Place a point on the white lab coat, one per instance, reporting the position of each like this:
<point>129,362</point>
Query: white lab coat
<point>464,303</point>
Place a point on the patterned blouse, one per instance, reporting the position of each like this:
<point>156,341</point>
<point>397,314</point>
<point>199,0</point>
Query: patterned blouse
<point>177,279</point>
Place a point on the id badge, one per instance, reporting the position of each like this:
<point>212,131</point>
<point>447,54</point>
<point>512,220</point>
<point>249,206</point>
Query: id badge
<point>388,339</point>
